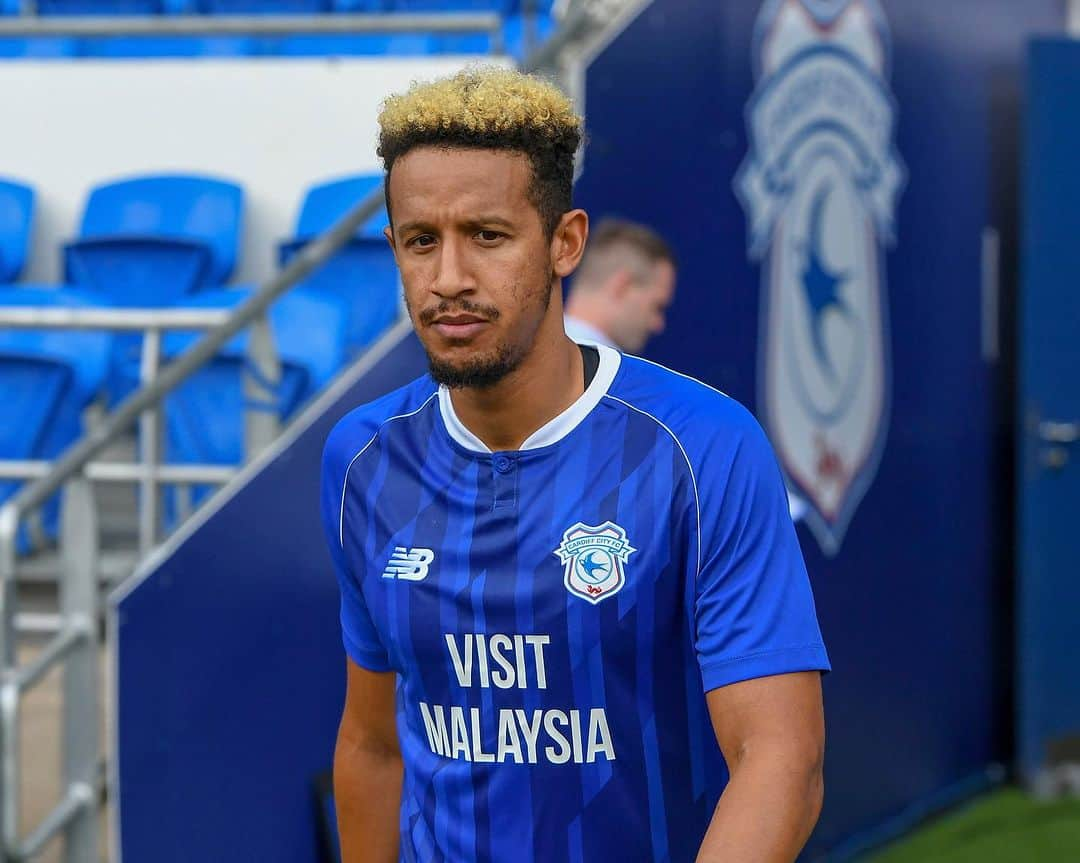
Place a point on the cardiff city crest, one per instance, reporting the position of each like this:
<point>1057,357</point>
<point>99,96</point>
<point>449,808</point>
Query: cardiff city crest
<point>594,558</point>
<point>820,185</point>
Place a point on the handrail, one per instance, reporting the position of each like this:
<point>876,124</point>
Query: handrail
<point>106,318</point>
<point>74,459</point>
<point>191,25</point>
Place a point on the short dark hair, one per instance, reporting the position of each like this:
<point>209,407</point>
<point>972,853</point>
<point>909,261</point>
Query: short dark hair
<point>622,232</point>
<point>491,109</point>
<point>616,245</point>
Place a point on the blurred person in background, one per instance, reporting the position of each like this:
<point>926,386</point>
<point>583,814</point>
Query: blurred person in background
<point>623,287</point>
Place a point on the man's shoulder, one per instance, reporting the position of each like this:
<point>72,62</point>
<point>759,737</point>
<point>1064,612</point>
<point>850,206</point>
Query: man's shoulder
<point>362,424</point>
<point>704,421</point>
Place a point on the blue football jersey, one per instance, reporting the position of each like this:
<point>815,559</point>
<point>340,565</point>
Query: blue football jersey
<point>556,614</point>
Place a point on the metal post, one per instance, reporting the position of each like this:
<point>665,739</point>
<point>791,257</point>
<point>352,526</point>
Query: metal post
<point>261,389</point>
<point>9,695</point>
<point>78,604</point>
<point>149,445</point>
<point>9,533</point>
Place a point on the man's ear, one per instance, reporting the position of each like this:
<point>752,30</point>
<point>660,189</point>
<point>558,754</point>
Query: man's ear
<point>388,232</point>
<point>568,242</point>
<point>619,283</point>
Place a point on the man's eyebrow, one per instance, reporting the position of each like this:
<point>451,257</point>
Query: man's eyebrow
<point>416,225</point>
<point>472,223</point>
<point>480,221</point>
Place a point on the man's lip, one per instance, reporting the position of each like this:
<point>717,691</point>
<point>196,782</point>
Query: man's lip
<point>452,329</point>
<point>458,320</point>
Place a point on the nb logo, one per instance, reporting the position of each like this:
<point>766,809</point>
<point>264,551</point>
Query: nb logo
<point>410,564</point>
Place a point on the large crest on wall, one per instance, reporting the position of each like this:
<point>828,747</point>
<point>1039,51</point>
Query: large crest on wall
<point>820,186</point>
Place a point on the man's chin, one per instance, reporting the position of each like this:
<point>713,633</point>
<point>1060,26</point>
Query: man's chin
<point>476,371</point>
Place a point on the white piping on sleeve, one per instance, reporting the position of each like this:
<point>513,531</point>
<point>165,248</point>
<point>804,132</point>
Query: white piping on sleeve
<point>689,465</point>
<point>345,481</point>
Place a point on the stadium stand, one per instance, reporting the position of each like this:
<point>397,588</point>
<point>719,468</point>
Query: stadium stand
<point>362,276</point>
<point>204,419</point>
<point>172,242</point>
<point>525,23</point>
<point>48,378</point>
<point>16,218</point>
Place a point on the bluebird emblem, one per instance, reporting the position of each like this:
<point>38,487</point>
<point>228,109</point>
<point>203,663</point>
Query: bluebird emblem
<point>820,186</point>
<point>594,560</point>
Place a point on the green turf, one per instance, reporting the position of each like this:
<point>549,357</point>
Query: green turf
<point>1004,827</point>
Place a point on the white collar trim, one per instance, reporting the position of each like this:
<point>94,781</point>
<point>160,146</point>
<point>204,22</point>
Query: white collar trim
<point>554,430</point>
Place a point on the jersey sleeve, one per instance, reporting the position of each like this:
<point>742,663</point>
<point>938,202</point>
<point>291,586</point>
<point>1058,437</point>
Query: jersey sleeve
<point>361,639</point>
<point>754,611</point>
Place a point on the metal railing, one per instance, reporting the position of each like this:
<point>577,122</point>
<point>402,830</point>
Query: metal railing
<point>148,473</point>
<point>76,646</point>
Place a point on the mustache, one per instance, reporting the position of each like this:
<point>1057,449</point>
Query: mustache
<point>446,307</point>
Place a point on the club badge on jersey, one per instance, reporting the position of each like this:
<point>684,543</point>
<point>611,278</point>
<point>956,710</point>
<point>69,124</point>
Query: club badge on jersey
<point>594,558</point>
<point>820,185</point>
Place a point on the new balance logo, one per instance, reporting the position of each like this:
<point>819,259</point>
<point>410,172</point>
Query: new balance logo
<point>410,564</point>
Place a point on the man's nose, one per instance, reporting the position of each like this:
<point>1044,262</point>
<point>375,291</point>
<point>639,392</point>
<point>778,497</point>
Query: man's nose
<point>453,277</point>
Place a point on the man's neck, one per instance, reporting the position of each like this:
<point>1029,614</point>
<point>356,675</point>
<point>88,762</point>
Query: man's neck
<point>547,382</point>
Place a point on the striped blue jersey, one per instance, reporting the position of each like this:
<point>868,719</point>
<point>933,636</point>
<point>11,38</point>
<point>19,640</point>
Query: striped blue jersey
<point>556,614</point>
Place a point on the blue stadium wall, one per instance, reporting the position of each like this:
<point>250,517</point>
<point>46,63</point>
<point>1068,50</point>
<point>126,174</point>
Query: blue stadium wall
<point>229,668</point>
<point>915,605</point>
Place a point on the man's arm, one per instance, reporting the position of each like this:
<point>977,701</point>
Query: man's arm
<point>368,769</point>
<point>772,733</point>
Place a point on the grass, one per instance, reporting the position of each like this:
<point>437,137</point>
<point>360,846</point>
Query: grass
<point>1007,826</point>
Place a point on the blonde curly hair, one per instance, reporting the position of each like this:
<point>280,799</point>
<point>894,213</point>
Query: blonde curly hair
<point>490,108</point>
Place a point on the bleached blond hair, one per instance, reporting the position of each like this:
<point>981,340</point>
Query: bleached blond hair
<point>490,108</point>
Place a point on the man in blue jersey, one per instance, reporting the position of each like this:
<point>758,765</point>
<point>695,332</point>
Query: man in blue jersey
<point>569,580</point>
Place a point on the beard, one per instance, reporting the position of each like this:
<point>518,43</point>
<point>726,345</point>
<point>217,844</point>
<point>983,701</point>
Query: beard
<point>484,369</point>
<point>481,372</point>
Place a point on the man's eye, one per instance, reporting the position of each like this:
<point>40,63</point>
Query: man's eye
<point>423,241</point>
<point>489,236</point>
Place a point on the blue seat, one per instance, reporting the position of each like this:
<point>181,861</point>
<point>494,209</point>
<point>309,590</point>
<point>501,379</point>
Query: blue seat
<point>326,203</point>
<point>47,378</point>
<point>204,418</point>
<point>167,46</point>
<point>362,275</point>
<point>38,47</point>
<point>356,6</point>
<point>503,6</point>
<point>259,7</point>
<point>147,242</point>
<point>100,7</point>
<point>16,215</point>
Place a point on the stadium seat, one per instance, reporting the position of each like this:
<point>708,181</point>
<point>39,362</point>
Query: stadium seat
<point>147,242</point>
<point>502,6</point>
<point>99,7</point>
<point>357,6</point>
<point>362,275</point>
<point>260,7</point>
<point>47,378</point>
<point>16,215</point>
<point>204,418</point>
<point>326,203</point>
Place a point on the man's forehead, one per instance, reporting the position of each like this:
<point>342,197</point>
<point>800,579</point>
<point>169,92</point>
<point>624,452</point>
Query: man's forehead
<point>442,181</point>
